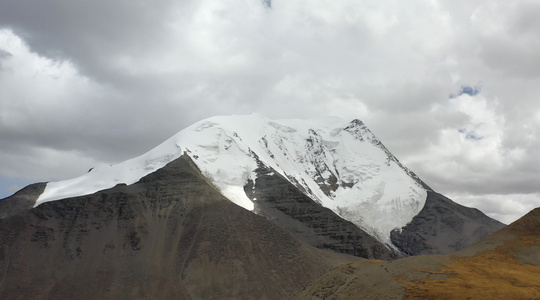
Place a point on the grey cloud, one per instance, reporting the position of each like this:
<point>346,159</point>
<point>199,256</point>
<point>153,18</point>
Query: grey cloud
<point>509,39</point>
<point>3,55</point>
<point>267,3</point>
<point>94,35</point>
<point>506,208</point>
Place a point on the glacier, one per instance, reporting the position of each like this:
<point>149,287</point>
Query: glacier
<point>339,164</point>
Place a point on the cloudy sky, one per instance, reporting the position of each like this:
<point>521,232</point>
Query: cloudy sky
<point>451,87</point>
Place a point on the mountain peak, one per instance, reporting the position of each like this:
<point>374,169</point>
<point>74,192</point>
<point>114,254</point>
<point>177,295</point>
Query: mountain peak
<point>340,165</point>
<point>322,182</point>
<point>357,122</point>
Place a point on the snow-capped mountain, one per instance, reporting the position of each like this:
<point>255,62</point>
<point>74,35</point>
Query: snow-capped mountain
<point>310,195</point>
<point>339,164</point>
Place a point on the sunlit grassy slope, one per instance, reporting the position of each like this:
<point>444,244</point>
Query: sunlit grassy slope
<point>506,265</point>
<point>510,270</point>
<point>493,274</point>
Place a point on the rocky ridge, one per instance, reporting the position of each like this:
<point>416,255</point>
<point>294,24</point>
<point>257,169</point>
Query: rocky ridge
<point>443,227</point>
<point>170,235</point>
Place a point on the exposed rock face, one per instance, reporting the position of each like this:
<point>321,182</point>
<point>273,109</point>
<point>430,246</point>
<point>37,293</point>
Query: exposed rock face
<point>22,201</point>
<point>443,227</point>
<point>171,235</point>
<point>285,205</point>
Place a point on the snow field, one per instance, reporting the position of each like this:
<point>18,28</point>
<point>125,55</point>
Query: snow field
<point>373,191</point>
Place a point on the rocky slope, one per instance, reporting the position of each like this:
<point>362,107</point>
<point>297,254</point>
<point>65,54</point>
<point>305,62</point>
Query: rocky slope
<point>506,265</point>
<point>282,203</point>
<point>22,201</point>
<point>443,227</point>
<point>328,181</point>
<point>171,235</point>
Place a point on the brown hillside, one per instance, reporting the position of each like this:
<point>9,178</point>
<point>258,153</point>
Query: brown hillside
<point>170,236</point>
<point>506,265</point>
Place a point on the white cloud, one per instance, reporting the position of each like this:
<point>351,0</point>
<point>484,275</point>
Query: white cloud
<point>78,92</point>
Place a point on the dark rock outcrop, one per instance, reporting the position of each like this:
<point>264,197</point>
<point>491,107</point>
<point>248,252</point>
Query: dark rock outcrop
<point>171,235</point>
<point>22,201</point>
<point>443,227</point>
<point>286,206</point>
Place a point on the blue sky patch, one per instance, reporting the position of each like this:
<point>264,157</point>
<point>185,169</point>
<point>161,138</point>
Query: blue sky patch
<point>470,135</point>
<point>9,185</point>
<point>473,136</point>
<point>466,89</point>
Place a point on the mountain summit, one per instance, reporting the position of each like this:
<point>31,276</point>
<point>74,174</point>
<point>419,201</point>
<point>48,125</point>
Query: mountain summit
<point>238,207</point>
<point>338,164</point>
